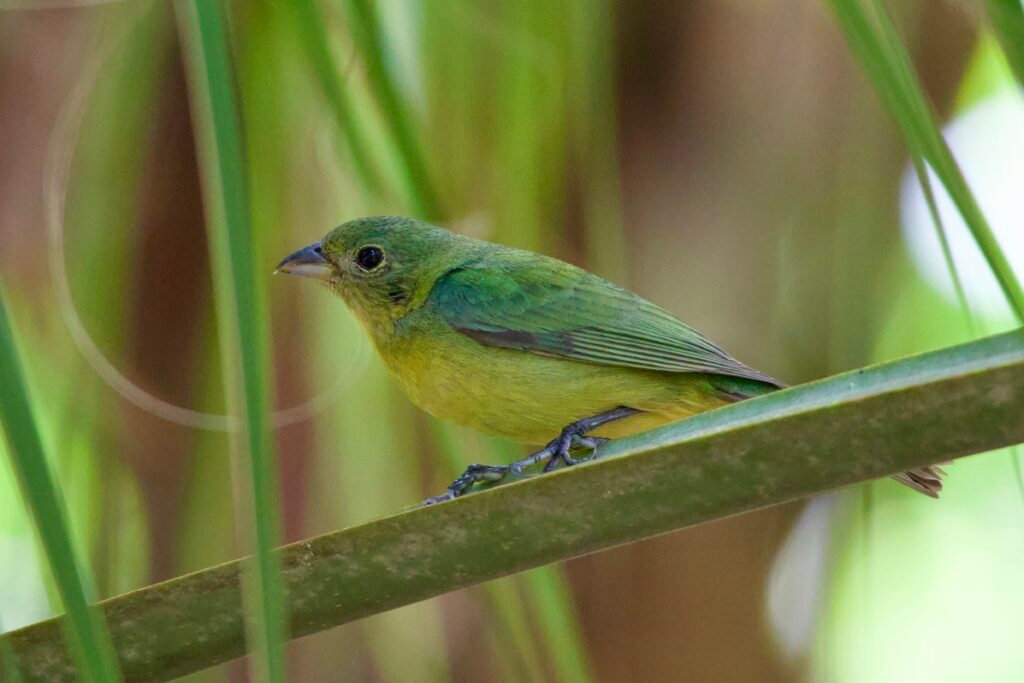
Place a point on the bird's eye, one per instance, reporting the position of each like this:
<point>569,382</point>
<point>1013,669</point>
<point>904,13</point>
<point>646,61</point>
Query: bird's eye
<point>369,258</point>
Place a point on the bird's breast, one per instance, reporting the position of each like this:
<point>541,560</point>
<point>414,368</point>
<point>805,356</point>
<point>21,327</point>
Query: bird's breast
<point>524,396</point>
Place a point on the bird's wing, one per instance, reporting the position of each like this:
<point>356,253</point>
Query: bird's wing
<point>548,307</point>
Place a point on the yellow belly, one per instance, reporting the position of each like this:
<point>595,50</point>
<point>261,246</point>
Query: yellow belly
<point>529,398</point>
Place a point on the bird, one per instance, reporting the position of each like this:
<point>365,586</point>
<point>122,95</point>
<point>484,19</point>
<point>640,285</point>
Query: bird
<point>525,346</point>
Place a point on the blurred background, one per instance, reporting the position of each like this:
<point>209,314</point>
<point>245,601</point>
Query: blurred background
<point>725,159</point>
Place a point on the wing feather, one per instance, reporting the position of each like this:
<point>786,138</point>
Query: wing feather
<point>551,308</point>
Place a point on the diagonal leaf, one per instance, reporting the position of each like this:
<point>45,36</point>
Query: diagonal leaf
<point>940,233</point>
<point>873,41</point>
<point>93,653</point>
<point>240,305</point>
<point>802,441</point>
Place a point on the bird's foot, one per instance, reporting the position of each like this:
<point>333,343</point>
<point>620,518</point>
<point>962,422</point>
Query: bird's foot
<point>558,450</point>
<point>572,438</point>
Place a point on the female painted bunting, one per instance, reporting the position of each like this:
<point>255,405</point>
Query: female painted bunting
<point>524,346</point>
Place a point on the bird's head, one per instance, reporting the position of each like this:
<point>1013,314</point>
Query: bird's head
<point>381,266</point>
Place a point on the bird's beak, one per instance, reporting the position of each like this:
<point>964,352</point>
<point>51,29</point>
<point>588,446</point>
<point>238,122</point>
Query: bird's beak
<point>307,262</point>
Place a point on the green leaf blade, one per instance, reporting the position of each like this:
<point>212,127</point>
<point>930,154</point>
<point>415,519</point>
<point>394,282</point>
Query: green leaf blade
<point>874,42</point>
<point>240,305</point>
<point>85,628</point>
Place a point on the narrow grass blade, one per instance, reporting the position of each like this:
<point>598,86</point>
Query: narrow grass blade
<point>794,443</point>
<point>593,88</point>
<point>1008,22</point>
<point>557,613</point>
<point>368,35</point>
<point>873,40</point>
<point>85,627</point>
<point>310,27</point>
<point>513,630</point>
<point>958,287</point>
<point>940,232</point>
<point>240,306</point>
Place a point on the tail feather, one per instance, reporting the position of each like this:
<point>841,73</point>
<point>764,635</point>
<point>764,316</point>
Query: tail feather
<point>742,388</point>
<point>927,480</point>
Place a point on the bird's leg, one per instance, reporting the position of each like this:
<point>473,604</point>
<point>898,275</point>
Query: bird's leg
<point>573,436</point>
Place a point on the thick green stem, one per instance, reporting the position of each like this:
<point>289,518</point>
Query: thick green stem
<point>853,427</point>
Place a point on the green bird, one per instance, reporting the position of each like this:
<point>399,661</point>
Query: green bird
<point>524,346</point>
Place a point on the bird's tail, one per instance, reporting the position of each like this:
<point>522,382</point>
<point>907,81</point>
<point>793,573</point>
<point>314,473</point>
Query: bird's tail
<point>741,388</point>
<point>927,480</point>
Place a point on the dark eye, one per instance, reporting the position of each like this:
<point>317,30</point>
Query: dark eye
<point>369,258</point>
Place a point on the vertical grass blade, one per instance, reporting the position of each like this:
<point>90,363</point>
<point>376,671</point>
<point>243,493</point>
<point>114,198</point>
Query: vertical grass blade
<point>874,43</point>
<point>1007,18</point>
<point>310,27</point>
<point>240,305</point>
<point>594,128</point>
<point>85,628</point>
<point>366,32</point>
<point>516,647</point>
<point>557,614</point>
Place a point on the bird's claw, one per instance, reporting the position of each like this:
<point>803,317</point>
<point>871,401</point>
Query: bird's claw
<point>472,475</point>
<point>446,496</point>
<point>572,437</point>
